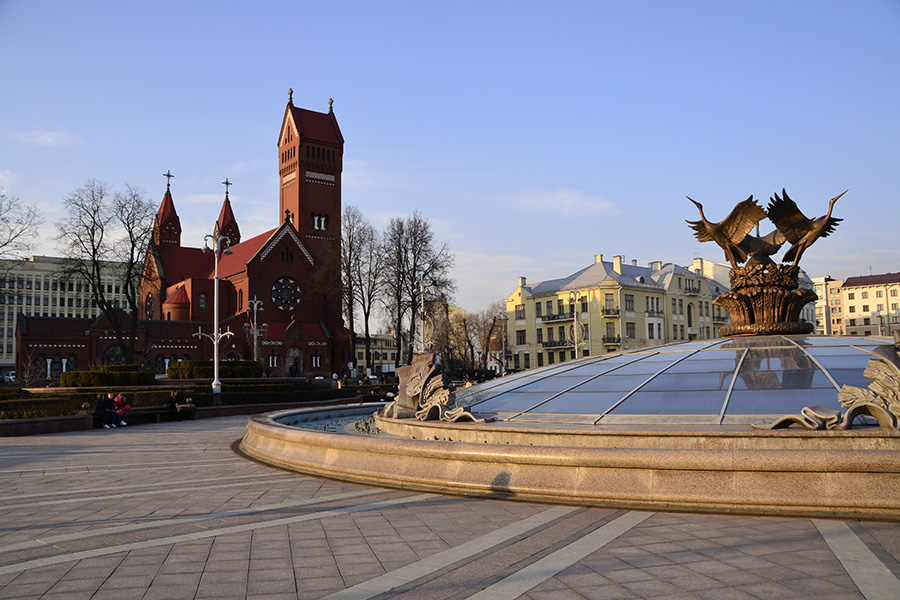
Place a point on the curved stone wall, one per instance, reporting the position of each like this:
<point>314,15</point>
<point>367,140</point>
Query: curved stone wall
<point>827,482</point>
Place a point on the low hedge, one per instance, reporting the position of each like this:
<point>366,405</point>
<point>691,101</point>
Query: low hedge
<point>70,404</point>
<point>203,369</point>
<point>112,378</point>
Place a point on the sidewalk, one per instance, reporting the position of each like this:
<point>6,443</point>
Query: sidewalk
<point>169,511</point>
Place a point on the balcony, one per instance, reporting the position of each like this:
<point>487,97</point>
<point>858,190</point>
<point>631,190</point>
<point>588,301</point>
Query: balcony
<point>558,317</point>
<point>691,290</point>
<point>556,344</point>
<point>609,312</point>
<point>656,313</point>
<point>614,340</point>
<point>719,319</point>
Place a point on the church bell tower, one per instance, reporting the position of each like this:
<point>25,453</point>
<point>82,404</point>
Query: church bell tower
<point>310,161</point>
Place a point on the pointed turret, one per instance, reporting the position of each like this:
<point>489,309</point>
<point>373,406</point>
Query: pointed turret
<point>167,227</point>
<point>226,224</point>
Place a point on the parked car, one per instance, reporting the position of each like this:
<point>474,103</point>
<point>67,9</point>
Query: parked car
<point>10,377</point>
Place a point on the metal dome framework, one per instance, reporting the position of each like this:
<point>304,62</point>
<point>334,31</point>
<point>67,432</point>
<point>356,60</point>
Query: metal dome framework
<point>732,381</point>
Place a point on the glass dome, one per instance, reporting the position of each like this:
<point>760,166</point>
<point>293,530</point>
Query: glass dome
<point>738,380</point>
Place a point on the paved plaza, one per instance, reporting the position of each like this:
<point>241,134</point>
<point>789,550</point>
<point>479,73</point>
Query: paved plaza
<point>169,511</point>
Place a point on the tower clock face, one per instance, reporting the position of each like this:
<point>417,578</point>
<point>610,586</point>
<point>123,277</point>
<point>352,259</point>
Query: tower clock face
<point>286,294</point>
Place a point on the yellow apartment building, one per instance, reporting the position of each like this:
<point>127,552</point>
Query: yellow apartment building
<point>610,306</point>
<point>871,304</point>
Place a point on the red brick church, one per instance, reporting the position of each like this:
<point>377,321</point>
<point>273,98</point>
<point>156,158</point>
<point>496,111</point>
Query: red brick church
<point>291,273</point>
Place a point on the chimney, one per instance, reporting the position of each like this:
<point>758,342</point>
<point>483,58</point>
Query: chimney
<point>656,265</point>
<point>598,258</point>
<point>633,262</point>
<point>617,264</point>
<point>521,282</point>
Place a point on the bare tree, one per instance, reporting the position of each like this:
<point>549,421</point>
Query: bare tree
<point>18,226</point>
<point>486,330</point>
<point>104,236</point>
<point>361,272</point>
<point>415,265</point>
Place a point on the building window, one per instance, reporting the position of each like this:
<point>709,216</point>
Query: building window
<point>610,303</point>
<point>540,335</point>
<point>674,332</point>
<point>629,331</point>
<point>516,362</point>
<point>562,332</point>
<point>865,295</point>
<point>850,296</point>
<point>629,302</point>
<point>560,306</point>
<point>527,361</point>
<point>540,359</point>
<point>674,306</point>
<point>878,294</point>
<point>681,329</point>
<point>865,308</point>
<point>549,334</point>
<point>537,310</point>
<point>520,337</point>
<point>650,331</point>
<point>550,359</point>
<point>549,308</point>
<point>520,312</point>
<point>680,306</point>
<point>584,306</point>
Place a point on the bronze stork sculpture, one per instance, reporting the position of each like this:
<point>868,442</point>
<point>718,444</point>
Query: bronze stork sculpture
<point>765,297</point>
<point>730,233</point>
<point>796,228</point>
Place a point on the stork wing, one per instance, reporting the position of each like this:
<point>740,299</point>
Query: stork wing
<point>742,219</point>
<point>830,226</point>
<point>788,219</point>
<point>700,231</point>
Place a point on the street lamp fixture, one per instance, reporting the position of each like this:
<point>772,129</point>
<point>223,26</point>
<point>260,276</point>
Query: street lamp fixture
<point>504,317</point>
<point>253,328</point>
<point>220,247</point>
<point>577,335</point>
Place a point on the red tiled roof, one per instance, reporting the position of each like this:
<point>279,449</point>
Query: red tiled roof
<point>321,127</point>
<point>180,263</point>
<point>178,296</point>
<point>313,332</point>
<point>863,280</point>
<point>241,254</point>
<point>273,333</point>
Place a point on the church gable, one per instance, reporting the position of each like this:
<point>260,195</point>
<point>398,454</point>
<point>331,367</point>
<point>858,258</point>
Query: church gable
<point>286,231</point>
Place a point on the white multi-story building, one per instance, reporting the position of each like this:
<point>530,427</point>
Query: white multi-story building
<point>871,304</point>
<point>39,286</point>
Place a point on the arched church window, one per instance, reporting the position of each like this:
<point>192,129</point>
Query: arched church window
<point>148,305</point>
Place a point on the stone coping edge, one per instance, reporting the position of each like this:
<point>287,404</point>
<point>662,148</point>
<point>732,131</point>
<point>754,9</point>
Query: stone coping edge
<point>836,483</point>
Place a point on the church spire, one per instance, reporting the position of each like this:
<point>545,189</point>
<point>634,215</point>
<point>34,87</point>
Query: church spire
<point>167,227</point>
<point>226,224</point>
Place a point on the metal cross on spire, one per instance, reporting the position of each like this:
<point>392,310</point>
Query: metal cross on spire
<point>226,183</point>
<point>168,175</point>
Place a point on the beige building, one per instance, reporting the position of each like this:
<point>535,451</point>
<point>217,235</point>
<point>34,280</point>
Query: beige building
<point>871,304</point>
<point>37,286</point>
<point>610,306</point>
<point>829,320</point>
<point>384,353</point>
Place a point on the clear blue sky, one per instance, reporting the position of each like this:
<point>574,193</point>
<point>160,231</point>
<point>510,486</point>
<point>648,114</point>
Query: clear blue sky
<point>533,135</point>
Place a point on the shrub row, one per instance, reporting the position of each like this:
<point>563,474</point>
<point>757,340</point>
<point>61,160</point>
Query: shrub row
<point>203,369</point>
<point>94,378</point>
<point>70,404</point>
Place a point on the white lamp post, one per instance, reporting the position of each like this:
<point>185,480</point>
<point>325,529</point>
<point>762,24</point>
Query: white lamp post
<point>574,298</point>
<point>253,327</point>
<point>504,318</point>
<point>220,245</point>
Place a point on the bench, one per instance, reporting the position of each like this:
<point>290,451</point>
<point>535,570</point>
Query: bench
<point>153,414</point>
